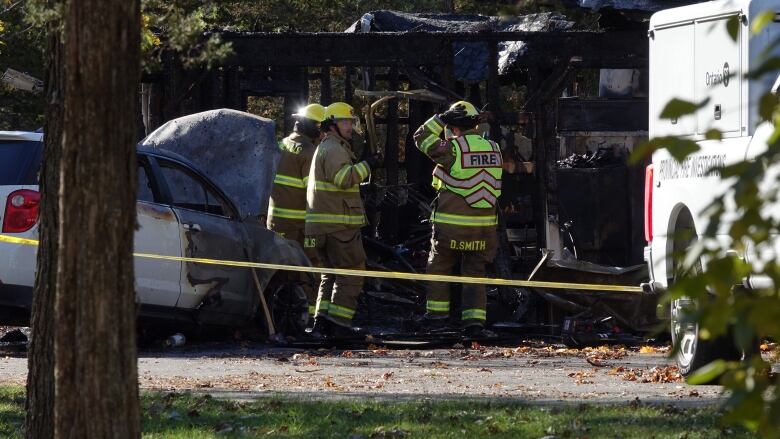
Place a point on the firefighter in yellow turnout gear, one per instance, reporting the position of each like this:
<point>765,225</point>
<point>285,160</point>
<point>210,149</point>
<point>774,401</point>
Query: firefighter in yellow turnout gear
<point>334,217</point>
<point>287,205</point>
<point>467,177</point>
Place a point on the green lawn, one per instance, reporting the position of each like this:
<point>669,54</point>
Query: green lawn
<point>187,416</point>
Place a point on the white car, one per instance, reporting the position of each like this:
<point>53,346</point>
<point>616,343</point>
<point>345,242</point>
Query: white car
<point>180,213</point>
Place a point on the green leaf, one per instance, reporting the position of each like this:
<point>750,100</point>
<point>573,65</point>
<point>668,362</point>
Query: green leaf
<point>713,134</point>
<point>680,149</point>
<point>771,65</point>
<point>678,107</point>
<point>732,27</point>
<point>708,373</point>
<point>767,105</point>
<point>762,20</point>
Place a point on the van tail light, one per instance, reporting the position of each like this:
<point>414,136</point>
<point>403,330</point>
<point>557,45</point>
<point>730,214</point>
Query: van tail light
<point>21,211</point>
<point>649,203</point>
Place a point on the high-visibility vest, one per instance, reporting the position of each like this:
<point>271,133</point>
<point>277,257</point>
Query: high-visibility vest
<point>475,174</point>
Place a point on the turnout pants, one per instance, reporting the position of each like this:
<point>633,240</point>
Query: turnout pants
<point>296,234</point>
<point>338,295</point>
<point>472,255</point>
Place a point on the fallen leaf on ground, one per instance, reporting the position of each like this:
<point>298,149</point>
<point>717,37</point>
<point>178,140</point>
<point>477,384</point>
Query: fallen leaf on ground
<point>582,377</point>
<point>654,349</point>
<point>595,361</point>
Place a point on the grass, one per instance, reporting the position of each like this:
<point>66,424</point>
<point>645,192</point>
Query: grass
<point>188,416</point>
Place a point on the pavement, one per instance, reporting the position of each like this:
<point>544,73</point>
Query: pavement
<point>532,372</point>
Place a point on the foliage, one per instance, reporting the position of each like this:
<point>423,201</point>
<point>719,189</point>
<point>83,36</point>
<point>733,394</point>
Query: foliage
<point>722,307</point>
<point>21,48</point>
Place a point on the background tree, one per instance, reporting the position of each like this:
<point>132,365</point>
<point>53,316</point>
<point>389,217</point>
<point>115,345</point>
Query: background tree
<point>39,422</point>
<point>85,284</point>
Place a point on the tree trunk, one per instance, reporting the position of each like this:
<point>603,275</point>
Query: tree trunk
<point>40,377</point>
<point>96,377</point>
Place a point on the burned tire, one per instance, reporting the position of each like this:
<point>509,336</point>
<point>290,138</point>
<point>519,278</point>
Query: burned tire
<point>288,307</point>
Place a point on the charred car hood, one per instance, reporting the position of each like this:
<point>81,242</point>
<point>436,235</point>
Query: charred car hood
<point>237,150</point>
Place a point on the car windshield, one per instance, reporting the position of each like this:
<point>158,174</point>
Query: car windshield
<point>19,162</point>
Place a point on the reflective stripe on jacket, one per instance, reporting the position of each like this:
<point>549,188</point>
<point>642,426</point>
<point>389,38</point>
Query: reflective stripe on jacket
<point>467,175</point>
<point>333,192</point>
<point>287,205</point>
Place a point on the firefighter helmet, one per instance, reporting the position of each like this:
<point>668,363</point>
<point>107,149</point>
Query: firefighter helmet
<point>315,112</point>
<point>470,109</point>
<point>340,110</point>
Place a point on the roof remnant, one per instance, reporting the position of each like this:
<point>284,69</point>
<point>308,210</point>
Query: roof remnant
<point>634,5</point>
<point>470,57</point>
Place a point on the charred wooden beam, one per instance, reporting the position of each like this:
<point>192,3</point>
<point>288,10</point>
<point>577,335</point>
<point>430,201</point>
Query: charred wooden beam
<point>326,89</point>
<point>595,49</point>
<point>493,91</point>
<point>389,226</point>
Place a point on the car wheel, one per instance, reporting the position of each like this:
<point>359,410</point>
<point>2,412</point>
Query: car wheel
<point>288,307</point>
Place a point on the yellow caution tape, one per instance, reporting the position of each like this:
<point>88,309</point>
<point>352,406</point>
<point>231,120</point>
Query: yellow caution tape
<point>372,273</point>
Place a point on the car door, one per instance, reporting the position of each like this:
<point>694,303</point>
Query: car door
<point>157,281</point>
<point>209,228</point>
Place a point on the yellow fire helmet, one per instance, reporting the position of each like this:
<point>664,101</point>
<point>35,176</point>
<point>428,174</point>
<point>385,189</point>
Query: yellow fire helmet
<point>315,112</point>
<point>471,110</point>
<point>342,110</point>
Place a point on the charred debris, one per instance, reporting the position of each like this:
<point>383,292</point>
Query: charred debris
<point>566,105</point>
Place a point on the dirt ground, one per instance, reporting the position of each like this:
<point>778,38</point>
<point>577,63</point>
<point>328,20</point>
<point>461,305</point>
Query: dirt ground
<point>533,372</point>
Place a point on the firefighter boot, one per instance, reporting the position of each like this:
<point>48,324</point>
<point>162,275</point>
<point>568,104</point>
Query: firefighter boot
<point>476,330</point>
<point>321,329</point>
<point>433,323</point>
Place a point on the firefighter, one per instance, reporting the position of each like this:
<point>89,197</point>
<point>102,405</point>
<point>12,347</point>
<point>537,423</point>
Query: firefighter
<point>467,178</point>
<point>334,217</point>
<point>287,206</point>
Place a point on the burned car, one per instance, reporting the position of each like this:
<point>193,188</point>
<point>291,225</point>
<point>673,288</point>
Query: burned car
<point>182,212</point>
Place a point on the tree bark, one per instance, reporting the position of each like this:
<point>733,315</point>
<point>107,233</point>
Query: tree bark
<point>39,423</point>
<point>96,377</point>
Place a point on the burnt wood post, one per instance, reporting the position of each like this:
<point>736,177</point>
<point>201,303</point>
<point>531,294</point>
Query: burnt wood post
<point>349,88</point>
<point>232,86</point>
<point>326,90</point>
<point>493,91</point>
<point>390,217</point>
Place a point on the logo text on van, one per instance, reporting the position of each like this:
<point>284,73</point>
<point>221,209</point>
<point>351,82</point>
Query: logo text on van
<point>718,77</point>
<point>692,167</point>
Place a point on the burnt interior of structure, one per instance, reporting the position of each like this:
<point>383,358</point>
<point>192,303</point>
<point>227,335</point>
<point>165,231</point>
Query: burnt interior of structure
<point>551,104</point>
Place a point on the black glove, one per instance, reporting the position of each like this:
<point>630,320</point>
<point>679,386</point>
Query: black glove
<point>452,115</point>
<point>459,118</point>
<point>375,161</point>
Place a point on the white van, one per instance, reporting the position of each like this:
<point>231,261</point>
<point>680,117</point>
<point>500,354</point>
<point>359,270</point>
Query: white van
<point>693,57</point>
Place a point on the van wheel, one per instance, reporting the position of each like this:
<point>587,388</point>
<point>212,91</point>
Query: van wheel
<point>288,307</point>
<point>694,352</point>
